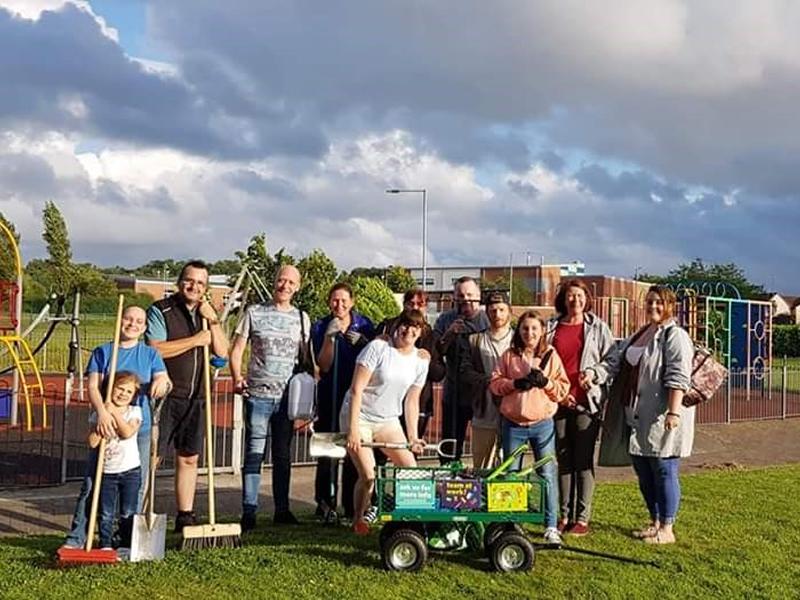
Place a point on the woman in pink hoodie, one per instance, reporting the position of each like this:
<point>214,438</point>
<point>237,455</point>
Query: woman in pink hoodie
<point>531,381</point>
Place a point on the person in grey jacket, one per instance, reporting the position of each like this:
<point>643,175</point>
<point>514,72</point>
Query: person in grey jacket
<point>581,339</point>
<point>653,370</point>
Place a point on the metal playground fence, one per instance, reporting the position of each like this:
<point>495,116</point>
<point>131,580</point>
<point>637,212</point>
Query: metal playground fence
<point>56,453</point>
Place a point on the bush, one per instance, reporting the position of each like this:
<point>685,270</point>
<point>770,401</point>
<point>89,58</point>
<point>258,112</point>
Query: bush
<point>785,340</point>
<point>374,299</point>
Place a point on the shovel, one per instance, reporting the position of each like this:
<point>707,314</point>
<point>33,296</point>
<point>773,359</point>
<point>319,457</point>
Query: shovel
<point>150,530</point>
<point>332,445</point>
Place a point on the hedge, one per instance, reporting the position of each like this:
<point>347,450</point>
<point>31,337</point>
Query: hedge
<point>785,340</point>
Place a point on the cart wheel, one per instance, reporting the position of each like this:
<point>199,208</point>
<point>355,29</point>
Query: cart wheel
<point>386,532</point>
<point>493,531</point>
<point>511,551</point>
<point>404,550</point>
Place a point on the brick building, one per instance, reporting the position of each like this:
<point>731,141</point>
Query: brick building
<point>159,288</point>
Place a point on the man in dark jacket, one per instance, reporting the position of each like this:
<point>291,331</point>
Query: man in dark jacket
<point>451,332</point>
<point>174,328</point>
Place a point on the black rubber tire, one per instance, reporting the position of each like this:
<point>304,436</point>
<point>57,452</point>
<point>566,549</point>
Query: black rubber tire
<point>511,552</point>
<point>493,531</point>
<point>387,531</point>
<point>404,550</point>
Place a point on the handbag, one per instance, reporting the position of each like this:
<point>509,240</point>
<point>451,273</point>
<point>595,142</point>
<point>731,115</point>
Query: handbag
<point>301,389</point>
<point>708,374</point>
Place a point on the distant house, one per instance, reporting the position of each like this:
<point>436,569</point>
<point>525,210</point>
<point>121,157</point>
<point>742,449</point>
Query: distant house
<point>785,308</point>
<point>161,288</point>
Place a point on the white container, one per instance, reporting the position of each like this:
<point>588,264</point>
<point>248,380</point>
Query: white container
<point>301,397</point>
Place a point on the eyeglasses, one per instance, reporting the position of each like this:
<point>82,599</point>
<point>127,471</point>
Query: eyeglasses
<point>195,282</point>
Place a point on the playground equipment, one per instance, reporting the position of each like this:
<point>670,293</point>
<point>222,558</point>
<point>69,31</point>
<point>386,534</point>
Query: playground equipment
<point>26,378</point>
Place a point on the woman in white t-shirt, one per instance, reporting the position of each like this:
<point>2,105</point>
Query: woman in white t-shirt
<point>389,377</point>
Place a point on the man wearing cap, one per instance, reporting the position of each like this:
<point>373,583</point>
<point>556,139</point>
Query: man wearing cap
<point>451,331</point>
<point>486,348</point>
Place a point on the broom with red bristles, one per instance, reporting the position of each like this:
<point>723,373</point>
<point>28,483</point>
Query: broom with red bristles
<point>87,555</point>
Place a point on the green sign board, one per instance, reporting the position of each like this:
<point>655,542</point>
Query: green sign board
<point>415,494</point>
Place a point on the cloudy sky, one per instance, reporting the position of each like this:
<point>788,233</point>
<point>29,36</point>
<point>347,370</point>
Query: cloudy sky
<point>625,135</point>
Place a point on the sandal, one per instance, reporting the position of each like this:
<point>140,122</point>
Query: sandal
<point>660,538</point>
<point>648,532</point>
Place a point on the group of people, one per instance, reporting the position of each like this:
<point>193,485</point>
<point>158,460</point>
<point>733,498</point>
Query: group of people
<point>547,383</point>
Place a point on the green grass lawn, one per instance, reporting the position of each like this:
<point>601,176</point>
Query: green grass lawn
<point>737,538</point>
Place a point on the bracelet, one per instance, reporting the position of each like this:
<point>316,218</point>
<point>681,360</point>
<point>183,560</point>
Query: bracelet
<point>673,414</point>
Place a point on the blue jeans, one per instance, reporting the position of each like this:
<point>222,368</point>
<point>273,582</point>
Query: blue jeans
<point>658,482</point>
<point>80,518</point>
<point>542,438</point>
<point>265,416</point>
<point>122,488</point>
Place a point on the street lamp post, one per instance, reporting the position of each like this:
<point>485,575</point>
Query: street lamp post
<point>424,193</point>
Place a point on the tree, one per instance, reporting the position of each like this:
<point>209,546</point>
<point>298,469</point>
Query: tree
<point>374,299</point>
<point>8,267</point>
<point>226,266</point>
<point>698,271</point>
<point>56,237</point>
<point>319,274</point>
<point>399,279</point>
<point>521,293</point>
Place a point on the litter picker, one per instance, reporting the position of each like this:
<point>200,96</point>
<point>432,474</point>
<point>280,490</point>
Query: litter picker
<point>332,445</point>
<point>67,555</point>
<point>213,535</point>
<point>149,529</point>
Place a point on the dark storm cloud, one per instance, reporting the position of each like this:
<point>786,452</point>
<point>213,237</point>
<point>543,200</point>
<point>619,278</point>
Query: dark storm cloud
<point>61,72</point>
<point>254,183</point>
<point>22,171</point>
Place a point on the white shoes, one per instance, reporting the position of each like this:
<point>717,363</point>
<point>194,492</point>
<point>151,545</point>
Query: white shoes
<point>552,536</point>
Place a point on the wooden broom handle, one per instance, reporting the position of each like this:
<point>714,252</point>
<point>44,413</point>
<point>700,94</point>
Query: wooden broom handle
<point>212,517</point>
<point>101,448</point>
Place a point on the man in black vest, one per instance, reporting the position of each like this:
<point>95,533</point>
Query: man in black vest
<point>174,328</point>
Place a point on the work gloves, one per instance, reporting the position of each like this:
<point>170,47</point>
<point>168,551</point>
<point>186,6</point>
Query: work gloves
<point>535,379</point>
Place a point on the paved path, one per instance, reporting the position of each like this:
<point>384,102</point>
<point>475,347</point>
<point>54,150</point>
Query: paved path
<point>752,444</point>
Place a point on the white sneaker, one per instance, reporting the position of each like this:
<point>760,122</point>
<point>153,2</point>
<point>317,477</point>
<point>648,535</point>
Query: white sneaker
<point>552,536</point>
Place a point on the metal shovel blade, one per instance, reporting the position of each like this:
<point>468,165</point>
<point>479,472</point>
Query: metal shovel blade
<point>147,541</point>
<point>330,445</point>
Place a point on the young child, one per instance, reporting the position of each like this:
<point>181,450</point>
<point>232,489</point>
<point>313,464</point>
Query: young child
<point>121,468</point>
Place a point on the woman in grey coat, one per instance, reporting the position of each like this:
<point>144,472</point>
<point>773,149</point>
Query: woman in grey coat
<point>581,340</point>
<point>653,370</point>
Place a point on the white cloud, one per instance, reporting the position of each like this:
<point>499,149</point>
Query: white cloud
<point>33,9</point>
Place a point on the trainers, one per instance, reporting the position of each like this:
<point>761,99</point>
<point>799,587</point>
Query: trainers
<point>578,529</point>
<point>563,525</point>
<point>371,515</point>
<point>248,521</point>
<point>285,517</point>
<point>361,527</point>
<point>185,518</point>
<point>552,536</point>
